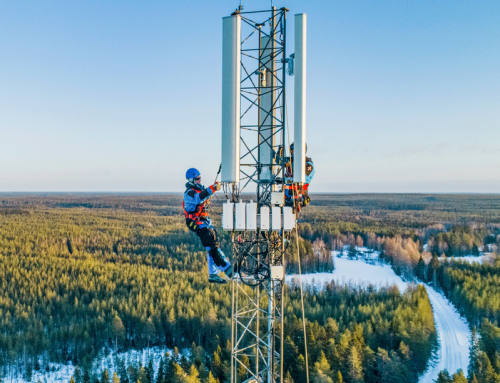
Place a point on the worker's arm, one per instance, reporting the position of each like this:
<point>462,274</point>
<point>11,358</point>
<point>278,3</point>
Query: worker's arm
<point>309,171</point>
<point>204,194</point>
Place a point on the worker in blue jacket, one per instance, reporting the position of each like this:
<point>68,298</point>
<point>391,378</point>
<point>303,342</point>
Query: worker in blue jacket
<point>300,196</point>
<point>196,199</point>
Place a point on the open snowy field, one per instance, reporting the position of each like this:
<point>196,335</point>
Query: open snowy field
<point>356,272</point>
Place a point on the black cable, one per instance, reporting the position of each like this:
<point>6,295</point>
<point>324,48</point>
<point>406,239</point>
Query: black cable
<point>217,176</point>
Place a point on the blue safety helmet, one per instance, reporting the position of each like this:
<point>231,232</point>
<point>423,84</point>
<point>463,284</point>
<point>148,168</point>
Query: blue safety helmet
<point>192,173</point>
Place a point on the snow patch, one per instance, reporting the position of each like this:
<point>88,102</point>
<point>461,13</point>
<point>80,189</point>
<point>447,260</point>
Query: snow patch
<point>59,373</point>
<point>132,357</point>
<point>62,373</point>
<point>469,258</point>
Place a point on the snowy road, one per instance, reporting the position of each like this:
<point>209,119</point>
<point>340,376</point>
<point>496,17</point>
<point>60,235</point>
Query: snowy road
<point>453,335</point>
<point>452,330</point>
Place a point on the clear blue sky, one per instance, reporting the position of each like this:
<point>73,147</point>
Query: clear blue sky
<point>403,96</point>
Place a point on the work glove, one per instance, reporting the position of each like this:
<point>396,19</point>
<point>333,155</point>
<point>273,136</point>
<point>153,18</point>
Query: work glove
<point>215,187</point>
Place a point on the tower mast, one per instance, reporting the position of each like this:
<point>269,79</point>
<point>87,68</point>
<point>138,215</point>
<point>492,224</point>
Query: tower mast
<point>253,161</point>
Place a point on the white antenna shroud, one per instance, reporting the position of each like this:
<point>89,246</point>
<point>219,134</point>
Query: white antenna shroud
<point>299,170</point>
<point>231,76</point>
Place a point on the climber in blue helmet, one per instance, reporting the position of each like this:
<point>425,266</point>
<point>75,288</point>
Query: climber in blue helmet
<point>196,199</point>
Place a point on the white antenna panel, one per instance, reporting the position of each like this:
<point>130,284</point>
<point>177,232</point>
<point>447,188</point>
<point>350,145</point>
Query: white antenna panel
<point>276,218</point>
<point>299,164</point>
<point>231,73</point>
<point>251,216</point>
<point>228,216</point>
<point>240,217</point>
<point>264,218</point>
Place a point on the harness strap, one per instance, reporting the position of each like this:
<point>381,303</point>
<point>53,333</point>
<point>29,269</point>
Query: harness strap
<point>296,187</point>
<point>198,213</point>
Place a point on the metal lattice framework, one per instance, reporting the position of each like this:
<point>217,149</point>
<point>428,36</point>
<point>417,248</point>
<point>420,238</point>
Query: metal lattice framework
<point>257,297</point>
<point>263,76</point>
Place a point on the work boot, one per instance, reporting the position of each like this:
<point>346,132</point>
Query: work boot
<point>232,272</point>
<point>214,278</point>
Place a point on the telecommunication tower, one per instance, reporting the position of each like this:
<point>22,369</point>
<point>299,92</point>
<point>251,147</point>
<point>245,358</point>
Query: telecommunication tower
<point>254,137</point>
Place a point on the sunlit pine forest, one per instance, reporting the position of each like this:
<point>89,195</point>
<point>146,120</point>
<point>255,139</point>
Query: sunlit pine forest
<point>85,273</point>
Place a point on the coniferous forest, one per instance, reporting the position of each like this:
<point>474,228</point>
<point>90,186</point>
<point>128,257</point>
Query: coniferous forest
<point>85,273</point>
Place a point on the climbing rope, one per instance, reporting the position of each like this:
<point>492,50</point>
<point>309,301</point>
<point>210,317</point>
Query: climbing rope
<point>298,256</point>
<point>302,302</point>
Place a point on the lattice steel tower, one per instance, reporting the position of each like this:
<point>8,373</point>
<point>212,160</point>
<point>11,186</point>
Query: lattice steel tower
<point>254,142</point>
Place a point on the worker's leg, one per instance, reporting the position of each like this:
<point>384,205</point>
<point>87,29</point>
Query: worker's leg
<point>217,253</point>
<point>215,256</point>
<point>212,268</point>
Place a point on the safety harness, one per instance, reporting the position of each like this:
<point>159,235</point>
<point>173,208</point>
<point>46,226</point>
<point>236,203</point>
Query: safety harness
<point>193,218</point>
<point>296,192</point>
